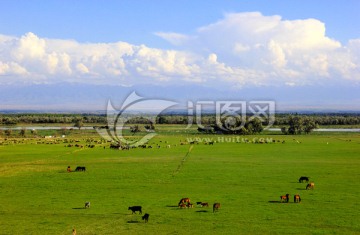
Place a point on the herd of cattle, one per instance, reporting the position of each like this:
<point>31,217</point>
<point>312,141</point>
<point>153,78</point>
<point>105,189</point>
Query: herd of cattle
<point>297,198</point>
<point>185,203</point>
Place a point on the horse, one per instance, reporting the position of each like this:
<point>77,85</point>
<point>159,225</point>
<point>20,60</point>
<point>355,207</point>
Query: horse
<point>310,186</point>
<point>297,198</point>
<point>184,201</point>
<point>216,206</point>
<point>284,198</point>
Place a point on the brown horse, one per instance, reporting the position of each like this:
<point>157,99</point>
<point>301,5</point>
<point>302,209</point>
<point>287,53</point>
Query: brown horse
<point>310,186</point>
<point>185,201</point>
<point>285,198</point>
<point>216,207</point>
<point>297,198</point>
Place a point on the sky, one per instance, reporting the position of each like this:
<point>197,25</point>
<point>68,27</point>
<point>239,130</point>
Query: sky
<point>303,54</point>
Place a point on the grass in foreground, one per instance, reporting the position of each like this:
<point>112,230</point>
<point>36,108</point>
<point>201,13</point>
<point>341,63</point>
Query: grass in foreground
<point>38,196</point>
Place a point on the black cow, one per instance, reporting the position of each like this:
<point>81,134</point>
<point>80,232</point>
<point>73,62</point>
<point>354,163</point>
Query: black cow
<point>80,168</point>
<point>304,178</point>
<point>135,208</point>
<point>146,217</point>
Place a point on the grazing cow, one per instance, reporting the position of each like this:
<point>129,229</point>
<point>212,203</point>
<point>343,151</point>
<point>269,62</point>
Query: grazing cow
<point>182,205</point>
<point>285,198</point>
<point>297,198</point>
<point>134,209</point>
<point>146,217</point>
<point>184,201</point>
<point>204,204</point>
<point>87,204</point>
<point>216,207</point>
<point>303,178</point>
<point>80,168</point>
<point>68,169</point>
<point>310,186</point>
<point>198,203</point>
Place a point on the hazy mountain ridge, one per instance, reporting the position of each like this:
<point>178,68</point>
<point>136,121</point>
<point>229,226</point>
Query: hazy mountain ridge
<point>79,97</point>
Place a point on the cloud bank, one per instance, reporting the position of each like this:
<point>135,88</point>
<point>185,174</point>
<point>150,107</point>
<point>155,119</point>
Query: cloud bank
<point>240,50</point>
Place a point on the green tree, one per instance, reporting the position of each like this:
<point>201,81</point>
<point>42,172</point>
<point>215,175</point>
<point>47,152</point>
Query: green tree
<point>135,129</point>
<point>295,125</point>
<point>254,126</point>
<point>299,124</point>
<point>284,130</point>
<point>23,132</point>
<point>79,123</point>
<point>8,132</point>
<point>309,125</point>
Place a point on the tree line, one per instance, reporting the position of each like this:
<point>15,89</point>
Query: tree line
<point>209,119</point>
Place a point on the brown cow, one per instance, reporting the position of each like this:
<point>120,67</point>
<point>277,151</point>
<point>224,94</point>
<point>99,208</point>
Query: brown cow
<point>216,206</point>
<point>182,205</point>
<point>310,186</point>
<point>68,169</point>
<point>297,198</point>
<point>285,198</point>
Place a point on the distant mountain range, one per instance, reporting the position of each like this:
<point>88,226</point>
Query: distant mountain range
<point>65,97</point>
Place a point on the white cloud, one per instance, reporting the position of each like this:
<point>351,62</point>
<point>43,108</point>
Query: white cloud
<point>174,38</point>
<point>242,49</point>
<point>281,50</point>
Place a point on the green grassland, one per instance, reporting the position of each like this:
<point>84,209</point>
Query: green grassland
<point>38,195</point>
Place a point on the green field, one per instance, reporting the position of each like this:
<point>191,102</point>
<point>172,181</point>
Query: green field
<point>38,195</point>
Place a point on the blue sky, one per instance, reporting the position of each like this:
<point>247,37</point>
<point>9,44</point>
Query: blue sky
<point>235,47</point>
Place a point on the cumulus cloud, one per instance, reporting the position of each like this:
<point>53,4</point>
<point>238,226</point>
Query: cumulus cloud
<point>242,49</point>
<point>270,50</point>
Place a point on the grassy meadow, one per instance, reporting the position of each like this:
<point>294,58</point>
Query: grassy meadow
<point>38,195</point>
